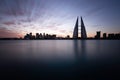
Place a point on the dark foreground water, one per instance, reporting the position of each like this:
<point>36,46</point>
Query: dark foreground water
<point>60,59</point>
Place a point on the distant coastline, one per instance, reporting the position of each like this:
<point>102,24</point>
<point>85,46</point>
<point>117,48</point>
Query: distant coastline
<point>58,39</point>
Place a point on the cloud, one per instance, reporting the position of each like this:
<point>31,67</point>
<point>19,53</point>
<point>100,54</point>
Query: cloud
<point>9,23</point>
<point>1,18</point>
<point>4,33</point>
<point>94,10</point>
<point>11,8</point>
<point>24,20</point>
<point>14,13</point>
<point>62,31</point>
<point>94,25</point>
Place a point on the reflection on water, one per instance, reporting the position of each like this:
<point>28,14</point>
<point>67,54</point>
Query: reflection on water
<point>60,57</point>
<point>58,49</point>
<point>80,49</point>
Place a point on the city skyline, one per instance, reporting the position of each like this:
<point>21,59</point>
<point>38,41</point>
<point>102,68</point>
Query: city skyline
<point>18,17</point>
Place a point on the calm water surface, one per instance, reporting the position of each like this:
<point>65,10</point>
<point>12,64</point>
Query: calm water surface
<point>59,58</point>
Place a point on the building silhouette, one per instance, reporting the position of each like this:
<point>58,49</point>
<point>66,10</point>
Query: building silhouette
<point>83,30</point>
<point>104,35</point>
<point>98,35</point>
<point>39,36</point>
<point>117,36</point>
<point>111,36</point>
<point>76,30</point>
<point>75,33</point>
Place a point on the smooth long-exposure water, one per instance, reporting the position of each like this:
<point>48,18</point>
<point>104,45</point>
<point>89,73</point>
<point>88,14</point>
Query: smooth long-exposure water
<point>60,59</point>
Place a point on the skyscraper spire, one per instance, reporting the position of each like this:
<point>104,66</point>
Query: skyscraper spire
<point>83,30</point>
<point>75,33</point>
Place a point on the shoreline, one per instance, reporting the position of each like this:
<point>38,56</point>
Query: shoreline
<point>56,39</point>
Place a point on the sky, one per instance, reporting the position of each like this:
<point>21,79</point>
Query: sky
<point>18,17</point>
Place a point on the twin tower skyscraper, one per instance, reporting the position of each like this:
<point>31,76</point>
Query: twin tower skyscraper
<point>76,30</point>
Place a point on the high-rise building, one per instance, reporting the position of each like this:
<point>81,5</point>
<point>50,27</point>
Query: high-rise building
<point>111,36</point>
<point>76,30</point>
<point>44,36</point>
<point>104,35</point>
<point>41,35</point>
<point>98,35</point>
<point>83,30</point>
<point>117,36</point>
<point>37,36</point>
<point>30,35</point>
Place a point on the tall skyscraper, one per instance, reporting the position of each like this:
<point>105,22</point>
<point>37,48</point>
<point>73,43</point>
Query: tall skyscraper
<point>75,32</point>
<point>83,30</point>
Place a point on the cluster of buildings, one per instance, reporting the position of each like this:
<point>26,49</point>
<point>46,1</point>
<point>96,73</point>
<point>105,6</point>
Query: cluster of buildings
<point>75,34</point>
<point>39,36</point>
<point>76,31</point>
<point>98,33</point>
<point>107,36</point>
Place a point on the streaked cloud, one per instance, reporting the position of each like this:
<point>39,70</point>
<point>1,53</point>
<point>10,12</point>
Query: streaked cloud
<point>4,33</point>
<point>57,16</point>
<point>9,23</point>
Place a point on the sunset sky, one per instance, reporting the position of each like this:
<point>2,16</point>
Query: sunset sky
<point>18,17</point>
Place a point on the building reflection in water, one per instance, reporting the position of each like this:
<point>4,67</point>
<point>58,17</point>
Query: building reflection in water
<point>80,50</point>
